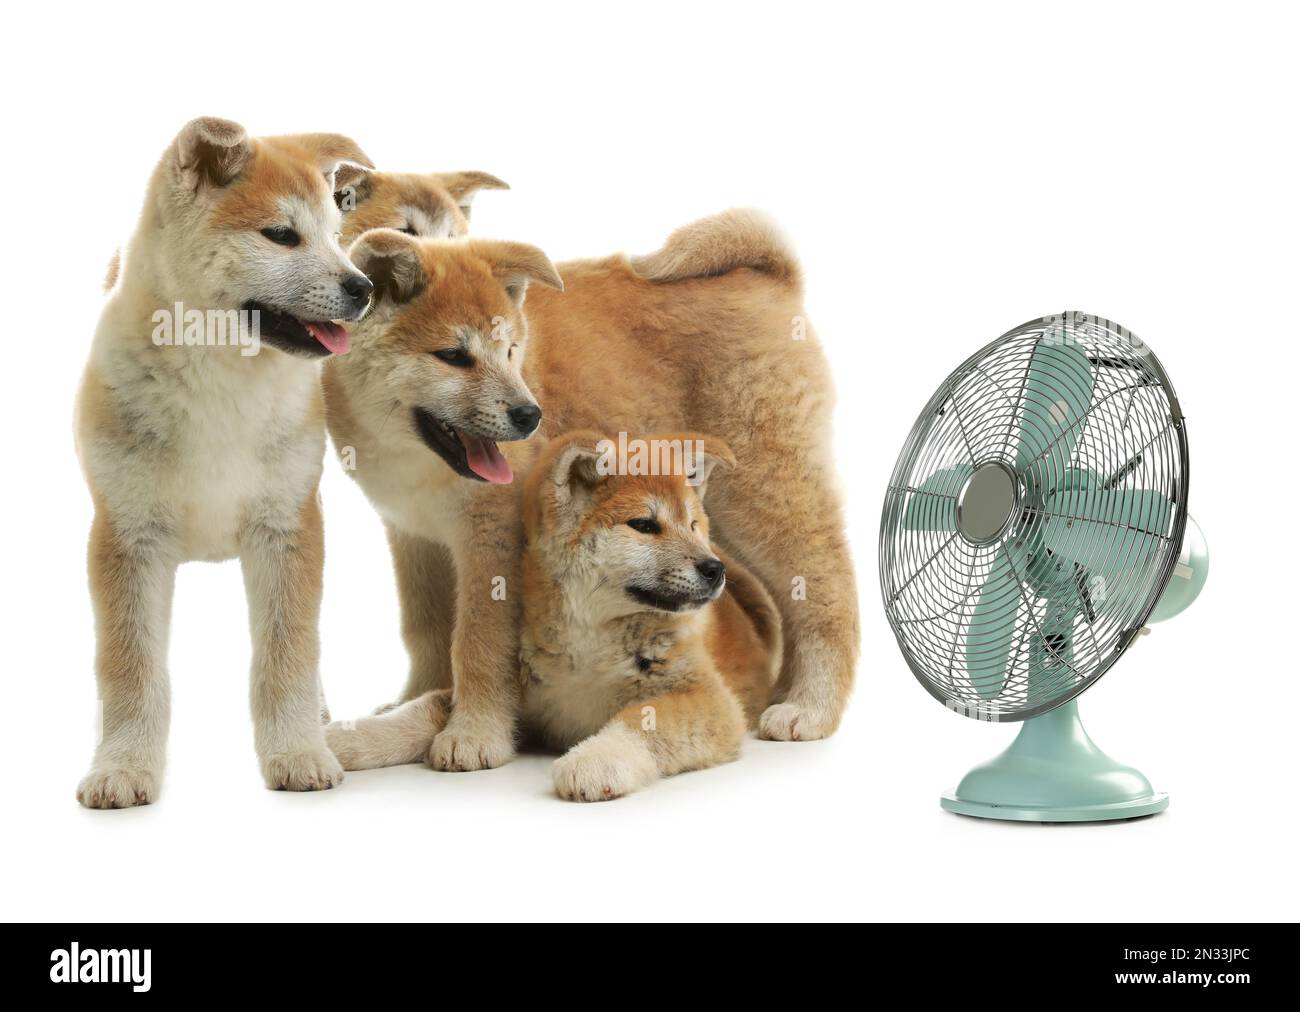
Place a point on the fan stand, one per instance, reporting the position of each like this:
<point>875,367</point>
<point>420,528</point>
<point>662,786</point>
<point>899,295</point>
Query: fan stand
<point>1054,773</point>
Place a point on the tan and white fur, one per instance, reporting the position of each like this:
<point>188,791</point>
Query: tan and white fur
<point>437,370</point>
<point>642,654</point>
<point>710,333</point>
<point>201,452</point>
<point>431,205</point>
<point>707,333</point>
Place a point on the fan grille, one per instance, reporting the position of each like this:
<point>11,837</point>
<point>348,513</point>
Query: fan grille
<point>1066,629</point>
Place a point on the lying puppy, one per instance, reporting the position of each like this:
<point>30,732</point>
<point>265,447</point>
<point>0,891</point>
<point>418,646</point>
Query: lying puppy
<point>201,435</point>
<point>708,333</point>
<point>633,658</point>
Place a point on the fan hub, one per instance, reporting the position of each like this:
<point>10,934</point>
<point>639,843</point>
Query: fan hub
<point>987,502</point>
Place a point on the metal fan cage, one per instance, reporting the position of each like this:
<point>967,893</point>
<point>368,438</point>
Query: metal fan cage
<point>1132,435</point>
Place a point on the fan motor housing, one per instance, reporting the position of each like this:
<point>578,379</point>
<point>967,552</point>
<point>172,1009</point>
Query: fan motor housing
<point>988,502</point>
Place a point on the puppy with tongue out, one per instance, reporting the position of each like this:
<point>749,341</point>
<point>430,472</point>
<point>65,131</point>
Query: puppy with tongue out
<point>334,336</point>
<point>433,403</point>
<point>486,460</point>
<point>306,338</point>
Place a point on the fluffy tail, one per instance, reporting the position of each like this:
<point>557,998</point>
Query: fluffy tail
<point>711,246</point>
<point>758,605</point>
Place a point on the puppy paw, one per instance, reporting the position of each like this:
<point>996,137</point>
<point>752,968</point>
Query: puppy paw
<point>118,787</point>
<point>316,770</point>
<point>795,722</point>
<point>464,745</point>
<point>604,767</point>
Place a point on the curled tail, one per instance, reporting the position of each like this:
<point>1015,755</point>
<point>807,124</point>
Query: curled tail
<point>742,237</point>
<point>758,606</point>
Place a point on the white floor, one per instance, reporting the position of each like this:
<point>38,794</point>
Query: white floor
<point>848,828</point>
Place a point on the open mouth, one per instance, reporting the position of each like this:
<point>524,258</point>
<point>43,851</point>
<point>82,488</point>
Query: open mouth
<point>299,337</point>
<point>469,456</point>
<point>666,602</point>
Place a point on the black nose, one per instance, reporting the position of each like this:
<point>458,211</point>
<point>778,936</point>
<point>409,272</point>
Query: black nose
<point>712,570</point>
<point>525,417</point>
<point>358,287</point>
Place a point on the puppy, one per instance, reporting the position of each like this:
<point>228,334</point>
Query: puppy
<point>432,387</point>
<point>433,205</point>
<point>201,436</point>
<point>707,333</point>
<point>642,653</point>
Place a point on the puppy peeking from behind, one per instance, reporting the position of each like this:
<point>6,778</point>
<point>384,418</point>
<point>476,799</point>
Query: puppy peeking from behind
<point>645,652</point>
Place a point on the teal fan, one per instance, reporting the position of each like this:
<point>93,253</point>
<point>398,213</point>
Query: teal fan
<point>1035,522</point>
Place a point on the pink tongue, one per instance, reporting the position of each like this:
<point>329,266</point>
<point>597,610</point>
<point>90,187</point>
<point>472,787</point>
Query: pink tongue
<point>331,335</point>
<point>486,460</point>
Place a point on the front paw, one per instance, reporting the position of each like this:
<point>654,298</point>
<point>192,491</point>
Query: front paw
<point>118,787</point>
<point>314,770</point>
<point>465,745</point>
<point>795,722</point>
<point>606,766</point>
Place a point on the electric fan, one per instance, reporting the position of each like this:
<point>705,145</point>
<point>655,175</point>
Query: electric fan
<point>1035,522</point>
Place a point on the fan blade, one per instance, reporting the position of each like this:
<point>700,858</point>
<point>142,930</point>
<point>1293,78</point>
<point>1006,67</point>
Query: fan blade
<point>992,626</point>
<point>933,506</point>
<point>1058,391</point>
<point>1048,575</point>
<point>1106,531</point>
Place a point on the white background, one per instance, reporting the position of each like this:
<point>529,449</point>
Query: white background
<point>947,172</point>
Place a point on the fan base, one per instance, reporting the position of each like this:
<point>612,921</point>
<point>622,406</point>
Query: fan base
<point>1096,813</point>
<point>1054,773</point>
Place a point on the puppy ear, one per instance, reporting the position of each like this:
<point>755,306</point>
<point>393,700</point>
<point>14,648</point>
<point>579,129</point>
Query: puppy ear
<point>341,162</point>
<point>348,181</point>
<point>575,472</point>
<point>516,265</point>
<point>330,150</point>
<point>211,152</point>
<point>464,185</point>
<point>346,175</point>
<point>702,456</point>
<point>392,262</point>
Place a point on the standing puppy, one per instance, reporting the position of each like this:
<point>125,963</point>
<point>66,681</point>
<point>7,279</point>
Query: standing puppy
<point>432,205</point>
<point>434,386</point>
<point>200,431</point>
<point>710,333</point>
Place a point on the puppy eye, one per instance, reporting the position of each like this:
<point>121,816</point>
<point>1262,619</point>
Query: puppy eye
<point>458,357</point>
<point>644,525</point>
<point>408,229</point>
<point>695,525</point>
<point>282,235</point>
